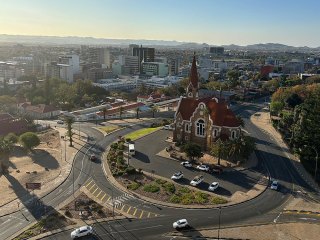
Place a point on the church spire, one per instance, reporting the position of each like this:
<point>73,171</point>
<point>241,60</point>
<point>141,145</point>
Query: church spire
<point>192,89</point>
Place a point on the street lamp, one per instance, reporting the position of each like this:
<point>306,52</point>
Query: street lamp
<point>219,223</point>
<point>316,169</point>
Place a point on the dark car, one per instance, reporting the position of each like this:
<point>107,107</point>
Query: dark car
<point>216,170</point>
<point>93,157</point>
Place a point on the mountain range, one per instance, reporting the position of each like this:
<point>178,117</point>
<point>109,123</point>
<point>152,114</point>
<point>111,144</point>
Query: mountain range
<point>73,40</point>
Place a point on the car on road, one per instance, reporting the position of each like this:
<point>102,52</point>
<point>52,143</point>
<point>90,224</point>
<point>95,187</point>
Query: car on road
<point>203,167</point>
<point>167,127</point>
<point>177,175</point>
<point>197,180</point>
<point>82,231</point>
<point>216,169</point>
<point>93,157</point>
<point>186,164</point>
<point>182,223</point>
<point>274,185</point>
<point>60,122</point>
<point>213,186</point>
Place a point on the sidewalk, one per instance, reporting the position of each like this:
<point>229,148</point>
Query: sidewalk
<point>263,121</point>
<point>50,181</point>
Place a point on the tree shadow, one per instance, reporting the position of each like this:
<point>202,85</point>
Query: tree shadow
<point>44,159</point>
<point>190,233</point>
<point>141,157</point>
<point>31,202</point>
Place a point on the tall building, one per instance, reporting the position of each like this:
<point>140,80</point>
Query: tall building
<point>73,61</point>
<point>155,69</point>
<point>96,55</point>
<point>144,54</point>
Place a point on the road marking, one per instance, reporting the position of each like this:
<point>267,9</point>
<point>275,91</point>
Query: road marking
<point>122,207</point>
<point>108,198</point>
<point>129,209</point>
<point>103,196</point>
<point>276,219</point>
<point>89,189</point>
<point>149,214</point>
<point>89,183</point>
<point>135,212</point>
<point>141,214</point>
<point>99,194</point>
<point>95,190</point>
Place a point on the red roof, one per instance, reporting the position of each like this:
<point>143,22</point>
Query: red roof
<point>194,74</point>
<point>219,112</point>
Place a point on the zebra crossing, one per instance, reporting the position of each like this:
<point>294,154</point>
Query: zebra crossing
<point>117,202</point>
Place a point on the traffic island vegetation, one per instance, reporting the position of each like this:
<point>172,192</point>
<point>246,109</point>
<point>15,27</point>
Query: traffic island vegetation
<point>109,129</point>
<point>140,133</point>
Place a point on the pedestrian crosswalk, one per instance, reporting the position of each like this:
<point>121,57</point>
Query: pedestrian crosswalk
<point>118,202</point>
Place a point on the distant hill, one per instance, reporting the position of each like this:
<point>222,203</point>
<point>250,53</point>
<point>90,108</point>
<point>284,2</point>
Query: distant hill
<point>72,40</point>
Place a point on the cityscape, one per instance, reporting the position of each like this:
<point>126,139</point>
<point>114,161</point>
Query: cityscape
<point>130,120</point>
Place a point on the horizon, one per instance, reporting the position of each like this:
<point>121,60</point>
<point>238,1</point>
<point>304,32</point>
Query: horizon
<point>213,22</point>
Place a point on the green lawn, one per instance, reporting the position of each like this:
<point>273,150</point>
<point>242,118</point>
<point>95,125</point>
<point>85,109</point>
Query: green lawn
<point>140,133</point>
<point>109,128</point>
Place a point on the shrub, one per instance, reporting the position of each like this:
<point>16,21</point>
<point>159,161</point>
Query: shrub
<point>130,170</point>
<point>217,200</point>
<point>121,146</point>
<point>160,181</point>
<point>187,199</point>
<point>120,161</point>
<point>134,186</point>
<point>169,187</point>
<point>114,146</point>
<point>175,199</point>
<point>12,137</point>
<point>151,188</point>
<point>184,190</point>
<point>29,140</point>
<point>68,213</point>
<point>201,197</point>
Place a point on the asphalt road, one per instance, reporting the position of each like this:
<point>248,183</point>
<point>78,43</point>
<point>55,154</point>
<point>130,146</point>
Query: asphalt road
<point>264,209</point>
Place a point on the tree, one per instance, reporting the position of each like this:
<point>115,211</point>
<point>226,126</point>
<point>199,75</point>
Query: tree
<point>241,121</point>
<point>220,149</point>
<point>104,111</point>
<point>69,121</point>
<point>154,109</point>
<point>5,148</point>
<point>12,138</point>
<point>276,107</point>
<point>242,147</point>
<point>121,110</point>
<point>29,140</point>
<point>293,100</point>
<point>192,150</point>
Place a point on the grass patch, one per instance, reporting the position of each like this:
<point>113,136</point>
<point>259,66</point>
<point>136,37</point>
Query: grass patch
<point>175,199</point>
<point>201,198</point>
<point>151,188</point>
<point>133,186</point>
<point>140,133</point>
<point>217,200</point>
<point>184,190</point>
<point>109,128</point>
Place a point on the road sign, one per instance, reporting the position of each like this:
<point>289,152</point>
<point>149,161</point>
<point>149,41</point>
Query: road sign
<point>33,186</point>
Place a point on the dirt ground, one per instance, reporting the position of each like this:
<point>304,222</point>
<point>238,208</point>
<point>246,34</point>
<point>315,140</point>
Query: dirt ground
<point>44,166</point>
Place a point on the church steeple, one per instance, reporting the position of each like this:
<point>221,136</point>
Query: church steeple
<point>192,89</point>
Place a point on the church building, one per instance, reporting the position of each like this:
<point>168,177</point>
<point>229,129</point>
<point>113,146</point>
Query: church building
<point>203,120</point>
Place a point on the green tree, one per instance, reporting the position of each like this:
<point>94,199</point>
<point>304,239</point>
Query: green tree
<point>220,149</point>
<point>121,110</point>
<point>69,121</point>
<point>154,109</point>
<point>29,140</point>
<point>5,147</point>
<point>192,150</point>
<point>137,112</point>
<point>276,107</point>
<point>104,111</point>
<point>12,137</point>
<point>242,147</point>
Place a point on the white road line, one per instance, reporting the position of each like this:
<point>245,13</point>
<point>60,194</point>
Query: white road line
<point>276,219</point>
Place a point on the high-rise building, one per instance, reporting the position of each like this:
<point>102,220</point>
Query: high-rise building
<point>72,60</point>
<point>144,54</point>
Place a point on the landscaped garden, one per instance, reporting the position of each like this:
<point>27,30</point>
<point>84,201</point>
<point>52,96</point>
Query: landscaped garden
<point>140,133</point>
<point>108,129</point>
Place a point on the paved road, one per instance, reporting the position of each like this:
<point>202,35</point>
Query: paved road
<point>263,209</point>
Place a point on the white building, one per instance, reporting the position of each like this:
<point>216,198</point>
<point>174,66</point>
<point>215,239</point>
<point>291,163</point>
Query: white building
<point>71,60</point>
<point>155,69</point>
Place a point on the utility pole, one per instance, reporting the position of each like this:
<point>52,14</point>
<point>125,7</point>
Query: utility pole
<point>219,223</point>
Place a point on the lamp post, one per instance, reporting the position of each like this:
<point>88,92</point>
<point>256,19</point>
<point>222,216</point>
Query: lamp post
<point>219,223</point>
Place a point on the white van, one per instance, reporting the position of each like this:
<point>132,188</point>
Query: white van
<point>131,149</point>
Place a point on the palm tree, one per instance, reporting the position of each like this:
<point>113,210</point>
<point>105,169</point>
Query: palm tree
<point>69,121</point>
<point>154,109</point>
<point>5,147</point>
<point>137,112</point>
<point>104,111</point>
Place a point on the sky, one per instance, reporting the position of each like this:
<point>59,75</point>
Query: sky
<point>216,22</point>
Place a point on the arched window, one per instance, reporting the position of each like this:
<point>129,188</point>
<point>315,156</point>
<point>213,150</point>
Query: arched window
<point>233,134</point>
<point>200,127</point>
<point>215,132</point>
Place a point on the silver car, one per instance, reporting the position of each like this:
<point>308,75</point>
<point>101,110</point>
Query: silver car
<point>82,231</point>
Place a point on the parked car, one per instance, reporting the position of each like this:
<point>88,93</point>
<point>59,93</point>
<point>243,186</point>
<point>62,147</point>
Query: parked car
<point>274,185</point>
<point>60,122</point>
<point>216,169</point>
<point>93,157</point>
<point>213,186</point>
<point>203,167</point>
<point>197,180</point>
<point>82,231</point>
<point>177,175</point>
<point>182,223</point>
<point>186,164</point>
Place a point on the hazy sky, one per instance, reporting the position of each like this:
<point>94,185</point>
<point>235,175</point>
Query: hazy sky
<point>242,22</point>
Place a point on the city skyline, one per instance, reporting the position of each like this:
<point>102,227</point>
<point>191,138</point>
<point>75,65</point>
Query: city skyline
<point>214,22</point>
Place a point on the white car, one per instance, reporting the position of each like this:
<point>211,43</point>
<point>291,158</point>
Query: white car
<point>180,223</point>
<point>82,231</point>
<point>213,186</point>
<point>203,167</point>
<point>177,175</point>
<point>197,180</point>
<point>60,122</point>
<point>186,164</point>
<point>274,185</point>
<point>167,127</point>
